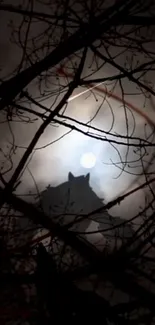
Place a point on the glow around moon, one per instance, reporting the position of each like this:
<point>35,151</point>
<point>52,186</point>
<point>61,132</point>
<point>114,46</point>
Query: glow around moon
<point>88,160</point>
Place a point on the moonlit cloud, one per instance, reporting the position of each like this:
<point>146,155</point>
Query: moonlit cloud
<point>76,152</point>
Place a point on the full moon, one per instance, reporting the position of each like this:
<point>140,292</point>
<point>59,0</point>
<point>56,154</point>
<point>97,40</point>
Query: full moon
<point>88,160</point>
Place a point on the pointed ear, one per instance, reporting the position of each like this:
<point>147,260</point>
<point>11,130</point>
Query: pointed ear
<point>87,177</point>
<point>70,176</point>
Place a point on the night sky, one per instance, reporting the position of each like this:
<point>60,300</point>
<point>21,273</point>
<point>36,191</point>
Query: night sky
<point>100,144</point>
<point>51,164</point>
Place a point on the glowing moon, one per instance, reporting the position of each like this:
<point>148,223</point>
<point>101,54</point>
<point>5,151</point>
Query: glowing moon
<point>88,160</point>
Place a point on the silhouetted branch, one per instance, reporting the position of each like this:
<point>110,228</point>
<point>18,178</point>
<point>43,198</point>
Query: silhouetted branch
<point>42,128</point>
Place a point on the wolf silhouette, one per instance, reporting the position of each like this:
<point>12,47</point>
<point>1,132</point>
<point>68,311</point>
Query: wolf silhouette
<point>67,201</point>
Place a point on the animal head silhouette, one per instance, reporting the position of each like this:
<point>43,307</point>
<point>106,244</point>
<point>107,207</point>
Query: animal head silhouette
<point>66,202</point>
<point>75,196</point>
<point>72,178</point>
